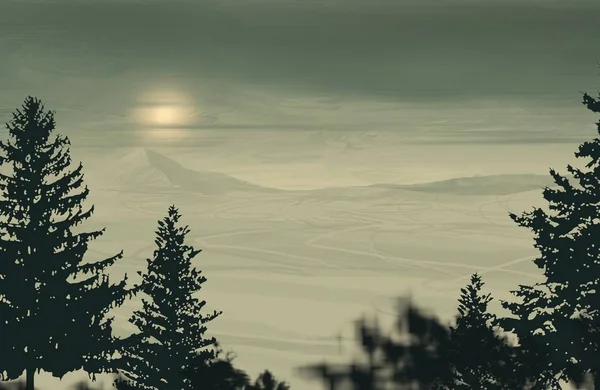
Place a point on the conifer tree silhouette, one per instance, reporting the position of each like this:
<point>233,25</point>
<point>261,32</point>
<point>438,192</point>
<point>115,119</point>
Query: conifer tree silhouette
<point>171,323</point>
<point>53,305</point>
<point>560,313</point>
<point>480,358</point>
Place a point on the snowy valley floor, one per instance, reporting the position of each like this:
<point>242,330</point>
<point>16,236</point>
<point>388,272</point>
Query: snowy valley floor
<point>292,271</point>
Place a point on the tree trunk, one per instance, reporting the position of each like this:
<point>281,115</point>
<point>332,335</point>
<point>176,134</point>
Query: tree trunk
<point>29,379</point>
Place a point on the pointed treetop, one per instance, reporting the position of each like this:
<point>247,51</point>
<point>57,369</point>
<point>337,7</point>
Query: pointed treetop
<point>473,303</point>
<point>174,213</point>
<point>32,121</point>
<point>476,279</point>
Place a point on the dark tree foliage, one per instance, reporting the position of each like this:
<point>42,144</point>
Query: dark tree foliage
<point>53,305</point>
<point>561,313</point>
<point>171,323</point>
<point>412,357</point>
<point>267,381</point>
<point>217,374</point>
<point>480,357</point>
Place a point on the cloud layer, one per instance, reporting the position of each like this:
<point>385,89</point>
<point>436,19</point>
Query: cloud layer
<point>242,64</point>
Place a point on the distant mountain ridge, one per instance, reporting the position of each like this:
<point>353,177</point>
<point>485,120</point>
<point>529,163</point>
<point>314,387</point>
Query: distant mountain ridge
<point>504,184</point>
<point>147,171</point>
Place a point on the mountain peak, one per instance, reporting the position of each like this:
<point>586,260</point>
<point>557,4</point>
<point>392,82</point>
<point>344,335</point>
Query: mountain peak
<point>146,170</point>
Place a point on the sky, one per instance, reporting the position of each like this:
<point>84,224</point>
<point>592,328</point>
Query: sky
<point>432,71</point>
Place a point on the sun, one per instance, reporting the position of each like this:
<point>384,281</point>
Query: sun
<point>163,108</point>
<point>169,115</point>
<point>163,115</point>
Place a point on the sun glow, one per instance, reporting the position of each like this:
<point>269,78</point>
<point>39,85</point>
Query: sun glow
<point>164,112</point>
<point>164,115</point>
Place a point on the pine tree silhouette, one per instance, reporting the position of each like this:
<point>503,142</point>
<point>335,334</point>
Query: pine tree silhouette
<point>560,313</point>
<point>53,305</point>
<point>171,338</point>
<point>480,358</point>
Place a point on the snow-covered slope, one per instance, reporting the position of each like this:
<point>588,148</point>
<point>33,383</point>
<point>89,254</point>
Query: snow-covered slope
<point>147,171</point>
<point>483,185</point>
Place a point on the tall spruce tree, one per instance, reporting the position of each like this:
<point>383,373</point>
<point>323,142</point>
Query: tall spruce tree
<point>53,305</point>
<point>566,234</point>
<point>480,357</point>
<point>171,341</point>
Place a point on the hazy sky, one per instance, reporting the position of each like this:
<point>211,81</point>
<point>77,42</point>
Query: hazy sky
<point>439,71</point>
